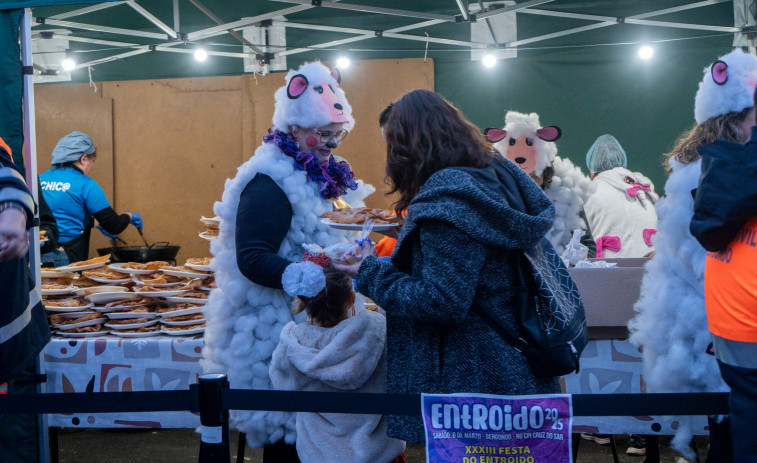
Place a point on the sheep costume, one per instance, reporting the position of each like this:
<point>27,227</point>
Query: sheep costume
<point>244,319</point>
<point>525,142</point>
<point>622,214</point>
<point>671,321</point>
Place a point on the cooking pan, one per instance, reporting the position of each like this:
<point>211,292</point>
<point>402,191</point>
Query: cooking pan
<point>158,251</point>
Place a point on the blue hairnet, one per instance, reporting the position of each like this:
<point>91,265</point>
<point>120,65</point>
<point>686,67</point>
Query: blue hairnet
<point>605,154</point>
<point>72,147</point>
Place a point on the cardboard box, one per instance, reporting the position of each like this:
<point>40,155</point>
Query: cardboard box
<point>609,294</point>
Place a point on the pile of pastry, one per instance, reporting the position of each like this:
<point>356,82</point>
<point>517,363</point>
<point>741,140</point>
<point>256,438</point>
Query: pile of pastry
<point>127,299</point>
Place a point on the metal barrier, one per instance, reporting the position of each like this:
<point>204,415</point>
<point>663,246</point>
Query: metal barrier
<point>213,399</point>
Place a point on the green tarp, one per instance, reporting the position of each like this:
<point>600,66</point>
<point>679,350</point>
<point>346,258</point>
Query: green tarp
<point>11,84</point>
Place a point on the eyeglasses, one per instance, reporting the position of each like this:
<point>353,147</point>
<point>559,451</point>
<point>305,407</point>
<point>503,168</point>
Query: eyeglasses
<point>329,135</point>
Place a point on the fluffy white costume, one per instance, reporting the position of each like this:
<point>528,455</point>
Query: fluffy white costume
<point>524,141</point>
<point>569,191</point>
<point>244,319</point>
<point>671,323</point>
<point>618,209</point>
<point>347,357</point>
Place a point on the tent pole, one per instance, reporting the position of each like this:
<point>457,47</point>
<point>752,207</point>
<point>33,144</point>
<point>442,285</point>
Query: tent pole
<point>30,165</point>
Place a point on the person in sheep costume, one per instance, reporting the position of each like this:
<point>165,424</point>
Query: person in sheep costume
<point>671,321</point>
<point>529,145</point>
<point>268,211</point>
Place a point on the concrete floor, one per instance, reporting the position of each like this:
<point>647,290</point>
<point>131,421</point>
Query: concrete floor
<point>182,445</point>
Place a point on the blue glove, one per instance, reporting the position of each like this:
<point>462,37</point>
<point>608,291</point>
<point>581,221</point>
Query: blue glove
<point>102,230</point>
<point>136,220</point>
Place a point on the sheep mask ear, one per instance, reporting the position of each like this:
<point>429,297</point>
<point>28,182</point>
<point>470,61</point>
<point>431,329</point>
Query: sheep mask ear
<point>337,75</point>
<point>494,135</point>
<point>297,86</point>
<point>719,71</point>
<point>551,133</point>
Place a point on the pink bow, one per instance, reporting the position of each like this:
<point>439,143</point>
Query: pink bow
<point>609,242</point>
<point>648,232</point>
<point>635,187</point>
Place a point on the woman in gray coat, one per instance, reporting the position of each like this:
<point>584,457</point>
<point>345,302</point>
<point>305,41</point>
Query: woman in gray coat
<point>468,210</point>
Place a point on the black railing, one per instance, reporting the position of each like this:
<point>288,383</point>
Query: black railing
<point>213,399</point>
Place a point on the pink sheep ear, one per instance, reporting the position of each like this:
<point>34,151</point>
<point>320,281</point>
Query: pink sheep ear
<point>550,133</point>
<point>494,135</point>
<point>337,75</point>
<point>719,72</point>
<point>297,86</point>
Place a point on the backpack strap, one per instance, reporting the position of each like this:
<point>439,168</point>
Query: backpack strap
<point>523,287</point>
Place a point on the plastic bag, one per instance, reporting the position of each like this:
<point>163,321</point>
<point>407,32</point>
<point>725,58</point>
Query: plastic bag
<point>595,264</point>
<point>575,251</point>
<point>346,253</point>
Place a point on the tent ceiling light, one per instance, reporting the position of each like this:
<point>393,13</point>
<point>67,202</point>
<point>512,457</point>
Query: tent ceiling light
<point>489,60</point>
<point>68,64</point>
<point>646,52</point>
<point>201,54</point>
<point>342,62</point>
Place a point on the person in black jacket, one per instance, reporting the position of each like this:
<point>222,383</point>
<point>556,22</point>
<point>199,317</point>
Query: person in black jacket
<point>23,328</point>
<point>725,223</point>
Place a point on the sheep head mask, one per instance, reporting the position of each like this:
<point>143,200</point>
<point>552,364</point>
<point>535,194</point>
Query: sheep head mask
<point>312,98</point>
<point>525,142</point>
<point>727,86</point>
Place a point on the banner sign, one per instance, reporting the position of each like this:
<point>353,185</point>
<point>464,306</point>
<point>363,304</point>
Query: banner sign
<point>482,428</point>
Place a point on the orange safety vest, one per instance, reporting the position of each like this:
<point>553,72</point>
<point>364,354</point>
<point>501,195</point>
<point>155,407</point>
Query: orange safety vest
<point>730,287</point>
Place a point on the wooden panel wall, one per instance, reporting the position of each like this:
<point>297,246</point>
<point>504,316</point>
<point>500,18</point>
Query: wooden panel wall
<point>174,142</point>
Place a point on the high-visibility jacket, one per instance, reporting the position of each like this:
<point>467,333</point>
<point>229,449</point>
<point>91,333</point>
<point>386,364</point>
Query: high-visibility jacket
<point>725,222</point>
<point>23,328</point>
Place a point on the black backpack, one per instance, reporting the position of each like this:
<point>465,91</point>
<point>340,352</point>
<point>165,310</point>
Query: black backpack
<point>553,330</point>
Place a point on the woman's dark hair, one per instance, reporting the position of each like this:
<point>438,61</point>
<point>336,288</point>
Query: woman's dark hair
<point>424,134</point>
<point>327,307</point>
<point>727,126</point>
<point>66,164</point>
<point>547,175</point>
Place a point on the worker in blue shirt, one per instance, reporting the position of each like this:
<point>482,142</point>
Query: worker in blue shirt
<point>76,200</point>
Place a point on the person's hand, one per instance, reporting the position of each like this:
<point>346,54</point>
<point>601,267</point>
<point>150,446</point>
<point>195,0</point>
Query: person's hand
<point>351,269</point>
<point>109,235</point>
<point>135,219</point>
<point>14,240</point>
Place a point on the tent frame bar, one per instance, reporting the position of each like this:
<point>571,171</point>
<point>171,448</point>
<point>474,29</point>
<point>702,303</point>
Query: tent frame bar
<point>174,37</point>
<point>150,17</point>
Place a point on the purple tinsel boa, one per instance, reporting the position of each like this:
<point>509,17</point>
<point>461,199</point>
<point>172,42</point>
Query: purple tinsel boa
<point>333,177</point>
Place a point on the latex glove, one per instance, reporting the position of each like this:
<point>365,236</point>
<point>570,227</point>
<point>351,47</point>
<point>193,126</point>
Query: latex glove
<point>136,220</point>
<point>109,235</point>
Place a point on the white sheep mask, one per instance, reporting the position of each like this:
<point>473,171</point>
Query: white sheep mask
<point>728,86</point>
<point>312,98</point>
<point>525,142</point>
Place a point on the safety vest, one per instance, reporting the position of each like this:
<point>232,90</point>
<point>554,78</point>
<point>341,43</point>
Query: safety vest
<point>730,290</point>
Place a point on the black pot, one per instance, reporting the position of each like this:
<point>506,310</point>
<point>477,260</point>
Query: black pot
<point>141,254</point>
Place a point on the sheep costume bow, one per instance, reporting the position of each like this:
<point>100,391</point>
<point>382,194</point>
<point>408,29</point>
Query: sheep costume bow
<point>312,98</point>
<point>525,142</point>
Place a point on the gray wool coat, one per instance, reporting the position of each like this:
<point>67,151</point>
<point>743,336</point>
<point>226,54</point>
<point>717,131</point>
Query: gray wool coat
<point>454,252</point>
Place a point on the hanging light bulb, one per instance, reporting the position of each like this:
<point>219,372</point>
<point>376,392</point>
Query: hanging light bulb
<point>646,52</point>
<point>342,62</point>
<point>489,60</point>
<point>201,54</point>
<point>68,63</point>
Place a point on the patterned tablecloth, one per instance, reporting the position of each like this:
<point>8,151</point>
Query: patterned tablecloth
<point>110,364</point>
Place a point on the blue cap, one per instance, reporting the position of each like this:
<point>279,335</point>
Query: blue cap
<point>605,154</point>
<point>72,147</point>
